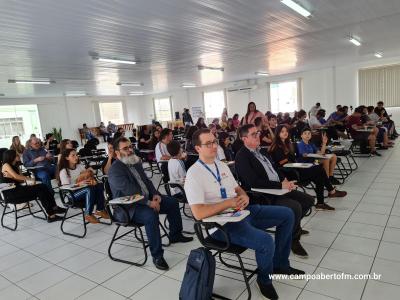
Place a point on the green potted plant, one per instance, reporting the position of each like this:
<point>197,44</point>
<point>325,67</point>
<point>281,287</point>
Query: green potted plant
<point>57,134</point>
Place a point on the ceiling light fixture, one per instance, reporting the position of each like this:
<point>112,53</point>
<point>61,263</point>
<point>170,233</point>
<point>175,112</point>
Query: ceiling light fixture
<point>75,94</point>
<point>354,41</point>
<point>136,93</point>
<point>115,60</point>
<point>262,74</point>
<point>188,85</point>
<point>135,84</point>
<point>378,54</point>
<point>297,8</point>
<point>31,81</point>
<point>210,68</point>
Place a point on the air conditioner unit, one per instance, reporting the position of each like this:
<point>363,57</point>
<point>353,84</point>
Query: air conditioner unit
<point>243,88</point>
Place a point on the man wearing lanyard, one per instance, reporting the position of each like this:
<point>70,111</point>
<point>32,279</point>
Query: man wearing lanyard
<point>256,170</point>
<point>161,147</point>
<point>211,188</point>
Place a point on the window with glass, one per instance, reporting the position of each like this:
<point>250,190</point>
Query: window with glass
<point>112,111</point>
<point>214,104</point>
<point>284,96</point>
<point>18,120</point>
<point>163,109</point>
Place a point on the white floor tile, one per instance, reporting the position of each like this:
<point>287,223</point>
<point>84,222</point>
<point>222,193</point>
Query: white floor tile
<point>356,244</point>
<point>347,262</point>
<point>103,270</point>
<point>321,223</point>
<point>161,288</point>
<point>284,291</point>
<point>380,290</point>
<point>394,221</point>
<point>307,295</point>
<point>130,281</point>
<point>62,253</point>
<point>341,289</point>
<point>101,293</point>
<point>369,218</point>
<point>4,283</point>
<point>389,251</point>
<point>373,208</point>
<point>315,254</point>
<point>25,269</point>
<point>70,288</point>
<point>388,269</point>
<point>391,235</point>
<point>319,238</point>
<point>15,293</point>
<point>363,230</point>
<point>81,260</point>
<point>13,259</point>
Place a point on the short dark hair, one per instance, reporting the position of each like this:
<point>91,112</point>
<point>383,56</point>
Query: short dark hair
<point>359,110</point>
<point>244,130</point>
<point>301,113</point>
<point>49,135</point>
<point>258,121</point>
<point>165,132</point>
<point>118,141</point>
<point>380,102</point>
<point>305,129</point>
<point>272,116</point>
<point>196,136</point>
<point>110,141</point>
<point>370,108</point>
<point>9,156</point>
<point>173,148</point>
<point>84,124</point>
<point>318,104</point>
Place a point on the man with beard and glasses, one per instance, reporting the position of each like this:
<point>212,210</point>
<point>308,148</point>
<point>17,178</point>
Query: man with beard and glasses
<point>127,177</point>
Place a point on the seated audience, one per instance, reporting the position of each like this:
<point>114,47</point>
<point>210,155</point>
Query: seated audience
<point>266,133</point>
<point>111,128</point>
<point>375,120</point>
<point>161,148</point>
<point>257,170</point>
<point>11,173</point>
<point>70,171</point>
<point>226,146</point>
<point>51,144</point>
<point>104,132</point>
<point>154,139</point>
<point>108,161</point>
<point>188,144</point>
<point>127,177</point>
<point>354,123</point>
<point>17,146</point>
<point>87,133</point>
<point>272,122</point>
<point>299,125</point>
<point>282,153</point>
<point>235,121</point>
<point>64,144</point>
<point>313,111</point>
<point>200,123</point>
<point>144,137</point>
<point>187,118</point>
<point>387,120</point>
<point>120,133</point>
<point>211,189</point>
<point>305,146</point>
<point>176,166</point>
<point>230,128</point>
<point>37,156</point>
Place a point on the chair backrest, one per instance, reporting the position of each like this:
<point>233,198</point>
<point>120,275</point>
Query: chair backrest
<point>163,166</point>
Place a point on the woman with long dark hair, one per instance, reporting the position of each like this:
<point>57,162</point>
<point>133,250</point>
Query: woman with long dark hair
<point>10,173</point>
<point>200,123</point>
<point>70,171</point>
<point>252,113</point>
<point>282,152</point>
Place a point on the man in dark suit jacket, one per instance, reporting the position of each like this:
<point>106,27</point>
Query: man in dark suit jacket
<point>257,170</point>
<point>127,177</point>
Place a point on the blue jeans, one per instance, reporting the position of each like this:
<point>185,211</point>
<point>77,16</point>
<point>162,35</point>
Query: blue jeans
<point>45,175</point>
<point>92,195</point>
<point>147,216</point>
<point>250,233</point>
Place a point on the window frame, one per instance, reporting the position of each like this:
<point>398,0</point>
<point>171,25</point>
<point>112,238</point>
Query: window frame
<point>111,101</point>
<point>204,102</point>
<point>170,109</point>
<point>299,89</point>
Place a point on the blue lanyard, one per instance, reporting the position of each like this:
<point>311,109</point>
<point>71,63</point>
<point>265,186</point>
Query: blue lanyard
<point>218,176</point>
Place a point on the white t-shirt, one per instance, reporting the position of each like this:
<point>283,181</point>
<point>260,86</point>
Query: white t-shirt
<point>73,175</point>
<point>313,122</point>
<point>313,111</point>
<point>201,187</point>
<point>161,149</point>
<point>220,153</point>
<point>177,172</point>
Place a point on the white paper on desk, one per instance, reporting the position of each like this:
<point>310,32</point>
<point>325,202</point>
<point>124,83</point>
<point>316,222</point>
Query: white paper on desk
<point>277,192</point>
<point>6,186</point>
<point>228,217</point>
<point>298,165</point>
<point>320,156</point>
<point>72,187</point>
<point>126,199</point>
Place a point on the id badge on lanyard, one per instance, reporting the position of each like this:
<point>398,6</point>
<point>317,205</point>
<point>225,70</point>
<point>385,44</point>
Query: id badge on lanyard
<point>222,190</point>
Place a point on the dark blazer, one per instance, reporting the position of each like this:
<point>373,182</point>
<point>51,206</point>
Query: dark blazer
<point>123,183</point>
<point>251,172</point>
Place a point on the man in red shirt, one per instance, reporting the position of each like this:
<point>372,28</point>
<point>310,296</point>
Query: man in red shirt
<point>354,123</point>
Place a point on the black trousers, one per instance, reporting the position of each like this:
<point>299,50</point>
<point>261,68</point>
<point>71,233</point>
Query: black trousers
<point>317,175</point>
<point>31,192</point>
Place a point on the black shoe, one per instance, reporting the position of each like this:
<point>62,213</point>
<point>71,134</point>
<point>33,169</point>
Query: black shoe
<point>298,249</point>
<point>304,232</point>
<point>60,210</point>
<point>334,181</point>
<point>160,263</point>
<point>289,271</point>
<point>267,290</point>
<point>55,218</point>
<point>374,153</point>
<point>182,239</point>
<point>324,206</point>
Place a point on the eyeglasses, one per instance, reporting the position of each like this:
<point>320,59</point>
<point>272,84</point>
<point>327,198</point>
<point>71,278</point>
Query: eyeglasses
<point>130,147</point>
<point>210,144</point>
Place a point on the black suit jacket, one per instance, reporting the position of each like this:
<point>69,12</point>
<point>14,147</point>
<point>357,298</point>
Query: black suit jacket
<point>251,172</point>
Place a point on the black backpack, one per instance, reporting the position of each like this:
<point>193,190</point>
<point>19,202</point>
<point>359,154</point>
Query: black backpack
<point>198,280</point>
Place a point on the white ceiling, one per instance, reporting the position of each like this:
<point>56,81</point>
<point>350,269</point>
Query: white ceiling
<point>52,39</point>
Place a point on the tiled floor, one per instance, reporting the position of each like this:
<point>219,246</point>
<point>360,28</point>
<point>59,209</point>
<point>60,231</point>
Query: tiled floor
<point>361,236</point>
